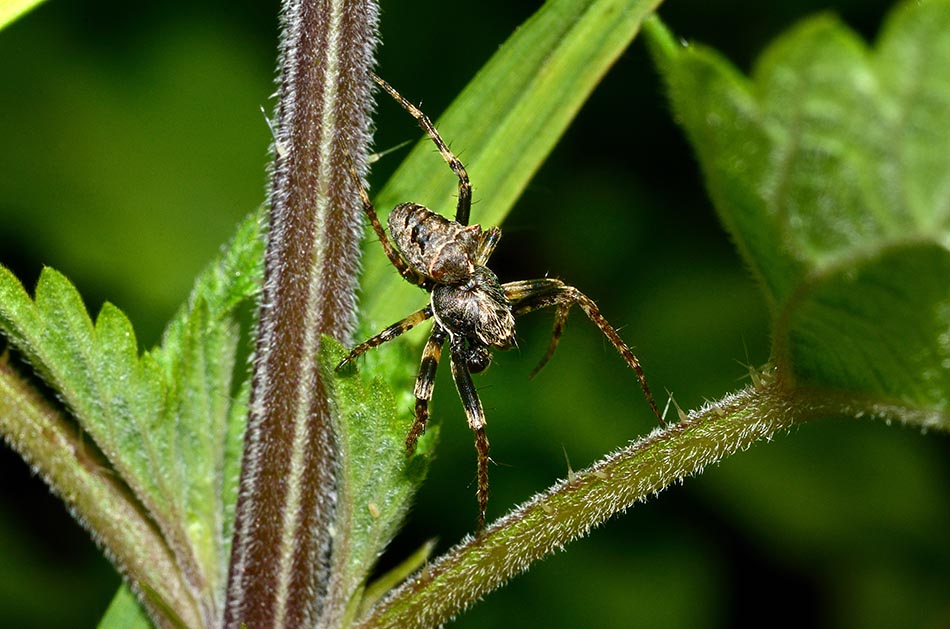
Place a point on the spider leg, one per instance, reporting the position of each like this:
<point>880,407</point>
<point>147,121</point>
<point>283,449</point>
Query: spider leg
<point>560,320</point>
<point>529,295</point>
<point>425,382</point>
<point>465,188</point>
<point>486,245</point>
<point>407,272</point>
<point>387,335</point>
<point>476,420</point>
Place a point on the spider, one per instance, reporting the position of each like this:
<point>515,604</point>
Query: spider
<point>472,309</point>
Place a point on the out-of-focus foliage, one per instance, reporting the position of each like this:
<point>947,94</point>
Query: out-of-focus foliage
<point>829,168</point>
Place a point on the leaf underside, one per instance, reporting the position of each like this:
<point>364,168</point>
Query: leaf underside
<point>830,167</point>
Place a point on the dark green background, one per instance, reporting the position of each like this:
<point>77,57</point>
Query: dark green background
<point>132,142</point>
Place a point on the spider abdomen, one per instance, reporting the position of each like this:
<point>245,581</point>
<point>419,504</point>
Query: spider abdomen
<point>432,244</point>
<point>476,309</point>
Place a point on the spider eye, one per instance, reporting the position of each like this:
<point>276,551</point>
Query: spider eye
<point>478,358</point>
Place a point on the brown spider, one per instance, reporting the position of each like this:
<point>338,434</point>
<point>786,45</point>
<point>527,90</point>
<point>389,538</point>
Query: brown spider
<point>472,309</point>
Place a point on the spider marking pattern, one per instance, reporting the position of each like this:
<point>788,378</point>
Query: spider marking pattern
<point>473,311</point>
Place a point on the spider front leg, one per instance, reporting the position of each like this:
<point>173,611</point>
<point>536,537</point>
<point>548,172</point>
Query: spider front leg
<point>386,335</point>
<point>464,205</point>
<point>405,270</point>
<point>425,382</point>
<point>528,295</point>
<point>476,419</point>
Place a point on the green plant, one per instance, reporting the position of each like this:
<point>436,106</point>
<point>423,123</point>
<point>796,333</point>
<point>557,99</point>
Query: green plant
<point>858,297</point>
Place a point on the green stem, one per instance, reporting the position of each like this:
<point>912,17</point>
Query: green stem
<point>573,507</point>
<point>75,471</point>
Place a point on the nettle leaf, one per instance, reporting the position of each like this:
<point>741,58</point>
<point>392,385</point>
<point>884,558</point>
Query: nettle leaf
<point>118,401</point>
<point>376,480</point>
<point>168,423</point>
<point>204,421</point>
<point>94,368</point>
<point>830,167</point>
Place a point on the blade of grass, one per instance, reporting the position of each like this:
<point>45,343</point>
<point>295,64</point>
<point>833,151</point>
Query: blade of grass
<point>10,10</point>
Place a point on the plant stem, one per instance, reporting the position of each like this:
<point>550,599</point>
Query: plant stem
<point>571,508</point>
<point>77,472</point>
<point>278,566</point>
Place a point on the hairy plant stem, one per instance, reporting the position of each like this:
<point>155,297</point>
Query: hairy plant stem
<point>278,568</point>
<point>571,508</point>
<point>104,505</point>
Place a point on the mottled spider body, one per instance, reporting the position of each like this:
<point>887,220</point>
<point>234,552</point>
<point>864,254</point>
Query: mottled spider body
<point>435,247</point>
<point>476,309</point>
<point>466,297</point>
<point>473,311</point>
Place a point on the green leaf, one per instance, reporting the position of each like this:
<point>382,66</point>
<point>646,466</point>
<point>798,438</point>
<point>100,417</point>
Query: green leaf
<point>169,423</point>
<point>94,369</point>
<point>376,479</point>
<point>830,167</point>
<point>10,10</point>
<point>205,416</point>
<point>124,612</point>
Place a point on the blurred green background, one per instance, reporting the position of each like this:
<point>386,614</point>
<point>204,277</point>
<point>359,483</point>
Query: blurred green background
<point>132,142</point>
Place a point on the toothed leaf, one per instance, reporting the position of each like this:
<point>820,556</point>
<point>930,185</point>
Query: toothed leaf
<point>169,423</point>
<point>377,480</point>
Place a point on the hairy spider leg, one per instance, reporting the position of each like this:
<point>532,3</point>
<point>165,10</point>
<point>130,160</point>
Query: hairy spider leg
<point>464,206</point>
<point>425,382</point>
<point>486,245</point>
<point>529,295</point>
<point>476,419</point>
<point>395,256</point>
<point>388,334</point>
<point>560,320</point>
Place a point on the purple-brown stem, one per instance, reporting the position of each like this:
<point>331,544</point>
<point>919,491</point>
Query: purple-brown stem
<point>278,564</point>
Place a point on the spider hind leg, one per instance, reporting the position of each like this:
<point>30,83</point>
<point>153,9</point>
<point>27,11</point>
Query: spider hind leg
<point>476,420</point>
<point>529,295</point>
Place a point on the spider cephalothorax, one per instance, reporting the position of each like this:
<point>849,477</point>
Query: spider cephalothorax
<point>473,311</point>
